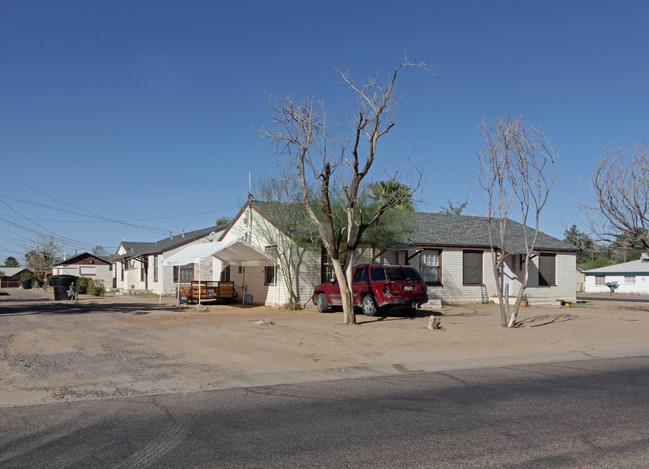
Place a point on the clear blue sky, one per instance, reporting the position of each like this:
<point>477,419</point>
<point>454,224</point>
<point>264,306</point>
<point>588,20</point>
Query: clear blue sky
<point>143,111</point>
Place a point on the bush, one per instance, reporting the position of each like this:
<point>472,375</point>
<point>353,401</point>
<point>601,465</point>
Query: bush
<point>97,287</point>
<point>83,285</point>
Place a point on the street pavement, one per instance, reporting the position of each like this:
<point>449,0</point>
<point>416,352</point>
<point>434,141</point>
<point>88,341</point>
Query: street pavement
<point>588,413</point>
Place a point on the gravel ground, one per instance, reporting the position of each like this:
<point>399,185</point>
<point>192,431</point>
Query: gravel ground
<point>54,351</point>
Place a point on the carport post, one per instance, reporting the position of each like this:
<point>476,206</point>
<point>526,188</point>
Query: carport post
<point>200,287</point>
<point>162,279</point>
<point>243,286</point>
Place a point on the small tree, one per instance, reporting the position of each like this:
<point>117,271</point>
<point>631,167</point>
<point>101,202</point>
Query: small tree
<point>319,151</point>
<point>11,262</point>
<point>41,258</point>
<point>516,168</point>
<point>581,241</point>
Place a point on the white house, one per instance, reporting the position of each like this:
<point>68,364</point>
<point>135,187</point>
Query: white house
<point>631,277</point>
<point>138,265</point>
<point>450,251</point>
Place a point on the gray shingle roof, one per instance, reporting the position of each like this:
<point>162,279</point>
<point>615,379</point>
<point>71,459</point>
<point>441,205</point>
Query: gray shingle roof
<point>460,230</point>
<point>435,229</point>
<point>137,249</point>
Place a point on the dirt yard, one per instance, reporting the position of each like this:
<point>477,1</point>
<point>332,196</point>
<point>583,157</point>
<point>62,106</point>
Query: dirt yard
<point>118,346</point>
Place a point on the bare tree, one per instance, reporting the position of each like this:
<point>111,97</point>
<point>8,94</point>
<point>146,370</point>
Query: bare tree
<point>620,189</point>
<point>517,168</point>
<point>320,150</point>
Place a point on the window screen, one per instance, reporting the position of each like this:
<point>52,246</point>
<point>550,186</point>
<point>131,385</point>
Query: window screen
<point>547,269</point>
<point>429,265</point>
<point>472,267</point>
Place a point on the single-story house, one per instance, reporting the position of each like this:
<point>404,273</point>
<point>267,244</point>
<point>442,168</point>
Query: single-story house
<point>137,266</point>
<point>86,265</point>
<point>452,253</point>
<point>11,278</point>
<point>631,277</point>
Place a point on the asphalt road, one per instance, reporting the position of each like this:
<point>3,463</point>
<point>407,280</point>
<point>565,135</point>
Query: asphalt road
<point>590,413</point>
<point>633,298</point>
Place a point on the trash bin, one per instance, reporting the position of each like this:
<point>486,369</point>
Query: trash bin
<point>26,283</point>
<point>61,285</point>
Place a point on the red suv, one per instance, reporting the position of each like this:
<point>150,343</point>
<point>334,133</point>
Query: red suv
<point>377,286</point>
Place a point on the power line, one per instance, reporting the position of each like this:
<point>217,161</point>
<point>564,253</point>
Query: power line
<point>141,227</point>
<point>62,238</point>
<point>183,215</point>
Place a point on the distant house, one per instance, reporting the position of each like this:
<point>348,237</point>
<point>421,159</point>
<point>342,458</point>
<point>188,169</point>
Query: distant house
<point>86,265</point>
<point>137,266</point>
<point>450,251</point>
<point>631,277</point>
<point>11,277</point>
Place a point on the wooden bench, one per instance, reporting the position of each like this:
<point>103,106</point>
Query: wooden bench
<point>207,291</point>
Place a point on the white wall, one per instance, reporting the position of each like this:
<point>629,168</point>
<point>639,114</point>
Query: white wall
<point>132,276</point>
<point>640,286</point>
<point>452,290</point>
<point>102,272</point>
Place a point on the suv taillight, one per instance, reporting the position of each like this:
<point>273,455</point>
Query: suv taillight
<point>386,289</point>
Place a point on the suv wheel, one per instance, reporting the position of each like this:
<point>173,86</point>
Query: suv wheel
<point>321,303</point>
<point>369,306</point>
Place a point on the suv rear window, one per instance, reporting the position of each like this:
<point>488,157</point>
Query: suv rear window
<point>402,273</point>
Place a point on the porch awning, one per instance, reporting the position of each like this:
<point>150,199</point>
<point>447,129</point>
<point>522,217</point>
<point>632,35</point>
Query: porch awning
<point>235,252</point>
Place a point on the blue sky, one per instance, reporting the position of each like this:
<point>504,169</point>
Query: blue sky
<point>123,113</point>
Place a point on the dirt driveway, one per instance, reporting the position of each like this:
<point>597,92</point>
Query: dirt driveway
<point>117,346</point>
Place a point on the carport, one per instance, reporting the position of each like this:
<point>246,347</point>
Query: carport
<point>235,252</point>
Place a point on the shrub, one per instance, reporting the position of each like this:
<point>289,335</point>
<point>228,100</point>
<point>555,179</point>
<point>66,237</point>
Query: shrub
<point>97,287</point>
<point>83,285</point>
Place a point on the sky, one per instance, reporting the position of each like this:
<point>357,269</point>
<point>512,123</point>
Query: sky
<point>130,120</point>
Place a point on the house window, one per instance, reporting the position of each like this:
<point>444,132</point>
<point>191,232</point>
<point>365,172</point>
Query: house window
<point>155,268</point>
<point>122,272</point>
<point>547,269</point>
<point>429,266</point>
<point>326,266</point>
<point>472,267</point>
<point>269,271</point>
<point>87,270</point>
<point>629,279</point>
<point>184,273</point>
<point>600,280</point>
